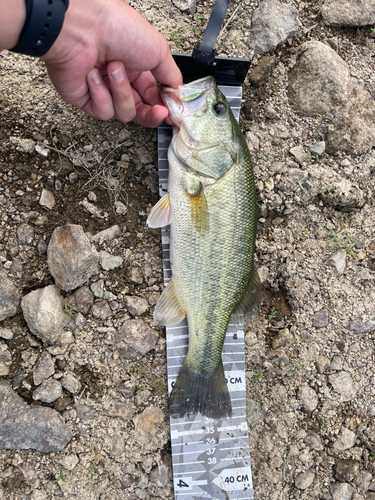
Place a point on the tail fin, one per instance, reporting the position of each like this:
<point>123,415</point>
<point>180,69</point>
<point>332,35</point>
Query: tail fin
<point>195,392</point>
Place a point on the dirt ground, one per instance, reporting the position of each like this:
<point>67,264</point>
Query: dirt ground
<point>297,234</point>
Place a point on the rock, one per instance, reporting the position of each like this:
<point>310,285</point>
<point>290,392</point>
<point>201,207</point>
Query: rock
<point>363,481</point>
<point>278,355</point>
<point>345,13</point>
<point>346,470</point>
<point>252,142</point>
<point>101,310</point>
<point>299,154</point>
<point>109,296</point>
<point>108,261</point>
<point>322,364</point>
<point>318,148</point>
<point>188,6</point>
<point>283,339</point>
<point>9,298</point>
<point>313,440</point>
<point>336,363</point>
<point>44,368</point>
<point>135,305</point>
<point>309,398</point>
<point>259,75</point>
<point>24,426</point>
<point>97,288</point>
<point>135,338</point>
<point>42,150</point>
<point>42,247</point>
<point>147,424</point>
<point>48,391</point>
<point>44,313</point>
<point>304,479</point>
<point>81,300</point>
<point>338,262</point>
<point>160,476</point>
<point>341,491</point>
<point>363,275</point>
<point>136,275</point>
<point>5,359</point>
<point>6,333</point>
<point>71,259</point>
<point>345,440</point>
<point>120,208</point>
<point>107,235</point>
<point>115,409</point>
<point>114,445</point>
<point>343,196</point>
<point>91,196</point>
<point>342,384</point>
<point>47,199</point>
<point>94,211</point>
<point>23,145</point>
<point>70,383</point>
<point>85,412</point>
<point>320,319</point>
<point>144,156</point>
<point>25,234</point>
<point>254,412</point>
<point>358,326</point>
<point>319,83</point>
<point>62,343</point>
<point>272,23</point>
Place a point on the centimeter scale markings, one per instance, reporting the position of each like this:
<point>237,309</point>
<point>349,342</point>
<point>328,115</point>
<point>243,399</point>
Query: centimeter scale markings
<point>211,458</point>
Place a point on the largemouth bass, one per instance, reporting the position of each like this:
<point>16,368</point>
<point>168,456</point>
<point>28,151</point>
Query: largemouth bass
<point>211,209</point>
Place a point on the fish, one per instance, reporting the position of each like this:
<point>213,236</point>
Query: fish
<point>211,208</point>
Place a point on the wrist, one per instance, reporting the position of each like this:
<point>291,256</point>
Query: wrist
<point>13,16</point>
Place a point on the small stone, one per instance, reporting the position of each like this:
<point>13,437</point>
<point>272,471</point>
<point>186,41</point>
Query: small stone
<point>127,480</point>
<point>6,333</point>
<point>309,398</point>
<point>115,409</point>
<point>108,261</point>
<point>141,397</point>
<point>101,310</point>
<point>313,440</point>
<point>24,426</point>
<point>318,148</point>
<point>147,424</point>
<point>70,461</point>
<point>70,383</point>
<point>135,305</point>
<point>254,412</point>
<point>120,208</point>
<point>299,154</point>
<point>23,145</point>
<point>81,300</point>
<point>144,156</point>
<point>42,247</point>
<point>135,339</point>
<point>252,142</point>
<point>5,359</point>
<point>346,470</point>
<point>345,441</point>
<point>322,364</point>
<point>71,259</point>
<point>279,356</point>
<point>48,391</point>
<point>42,150</point>
<point>283,339</point>
<point>363,481</point>
<point>9,298</point>
<point>336,363</point>
<point>44,368</point>
<point>91,196</point>
<point>44,313</point>
<point>358,326</point>
<point>85,412</point>
<point>338,262</point>
<point>341,491</point>
<point>97,288</point>
<point>136,275</point>
<point>25,234</point>
<point>304,479</point>
<point>160,476</point>
<point>320,319</point>
<point>47,199</point>
<point>109,296</point>
<point>342,383</point>
<point>107,235</point>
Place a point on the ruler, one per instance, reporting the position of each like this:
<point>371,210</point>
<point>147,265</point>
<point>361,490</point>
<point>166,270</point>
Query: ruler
<point>211,458</point>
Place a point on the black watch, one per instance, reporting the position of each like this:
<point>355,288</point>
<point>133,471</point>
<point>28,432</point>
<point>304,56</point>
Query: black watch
<point>44,20</point>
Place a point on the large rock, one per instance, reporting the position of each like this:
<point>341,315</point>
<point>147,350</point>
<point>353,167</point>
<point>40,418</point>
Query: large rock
<point>9,299</point>
<point>272,23</point>
<point>24,427</point>
<point>44,313</point>
<point>348,13</point>
<point>71,259</point>
<point>320,83</point>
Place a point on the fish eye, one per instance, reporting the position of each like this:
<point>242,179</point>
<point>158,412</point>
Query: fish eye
<point>219,108</point>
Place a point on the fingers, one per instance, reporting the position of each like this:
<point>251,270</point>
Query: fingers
<point>122,95</point>
<point>100,104</point>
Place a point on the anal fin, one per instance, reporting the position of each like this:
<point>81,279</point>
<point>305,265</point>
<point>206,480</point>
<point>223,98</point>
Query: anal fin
<point>168,310</point>
<point>160,214</point>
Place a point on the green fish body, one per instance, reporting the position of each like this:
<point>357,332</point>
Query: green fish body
<point>211,208</point>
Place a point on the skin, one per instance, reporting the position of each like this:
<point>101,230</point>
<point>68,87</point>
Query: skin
<point>106,61</point>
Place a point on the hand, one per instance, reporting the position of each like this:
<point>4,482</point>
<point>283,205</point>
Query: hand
<point>106,61</point>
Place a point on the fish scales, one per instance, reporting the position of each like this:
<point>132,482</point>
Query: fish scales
<point>211,207</point>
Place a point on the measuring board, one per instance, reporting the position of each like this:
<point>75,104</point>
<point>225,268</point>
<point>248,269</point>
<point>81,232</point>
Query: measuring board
<point>211,458</point>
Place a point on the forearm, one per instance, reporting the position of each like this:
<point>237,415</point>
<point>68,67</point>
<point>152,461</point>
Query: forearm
<point>12,18</point>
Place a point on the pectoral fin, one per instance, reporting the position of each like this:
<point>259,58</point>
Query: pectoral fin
<point>198,203</point>
<point>248,306</point>
<point>160,214</point>
<point>168,310</point>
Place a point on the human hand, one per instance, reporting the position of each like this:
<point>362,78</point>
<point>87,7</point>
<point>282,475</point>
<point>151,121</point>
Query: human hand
<point>106,61</point>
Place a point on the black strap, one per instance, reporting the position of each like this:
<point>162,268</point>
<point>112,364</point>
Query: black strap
<point>44,20</point>
<point>205,54</point>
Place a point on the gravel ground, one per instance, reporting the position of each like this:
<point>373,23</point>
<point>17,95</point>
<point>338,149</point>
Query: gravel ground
<point>310,350</point>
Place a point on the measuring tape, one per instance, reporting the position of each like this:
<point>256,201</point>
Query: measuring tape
<point>211,458</point>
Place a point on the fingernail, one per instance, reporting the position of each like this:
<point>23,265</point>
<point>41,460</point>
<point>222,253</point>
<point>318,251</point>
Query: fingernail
<point>96,77</point>
<point>119,74</point>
